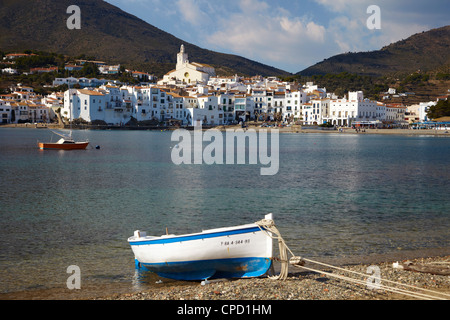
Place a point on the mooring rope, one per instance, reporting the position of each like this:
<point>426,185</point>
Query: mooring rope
<point>268,226</point>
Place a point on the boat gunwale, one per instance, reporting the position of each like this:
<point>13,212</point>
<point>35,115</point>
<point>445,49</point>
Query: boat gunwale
<point>208,234</point>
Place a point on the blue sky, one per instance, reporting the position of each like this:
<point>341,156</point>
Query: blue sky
<point>288,34</point>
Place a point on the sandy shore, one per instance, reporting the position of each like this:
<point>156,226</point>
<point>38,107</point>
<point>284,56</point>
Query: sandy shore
<point>307,285</point>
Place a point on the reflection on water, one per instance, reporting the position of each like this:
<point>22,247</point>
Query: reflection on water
<point>335,197</point>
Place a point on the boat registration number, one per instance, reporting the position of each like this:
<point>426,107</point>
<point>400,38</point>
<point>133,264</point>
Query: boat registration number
<point>235,242</point>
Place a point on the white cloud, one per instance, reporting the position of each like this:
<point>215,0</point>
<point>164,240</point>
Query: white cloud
<point>191,12</point>
<point>268,34</point>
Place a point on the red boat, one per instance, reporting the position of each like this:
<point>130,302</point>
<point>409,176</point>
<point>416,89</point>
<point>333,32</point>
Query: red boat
<point>65,143</point>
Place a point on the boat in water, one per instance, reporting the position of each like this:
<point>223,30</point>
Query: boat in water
<point>235,252</point>
<point>65,143</point>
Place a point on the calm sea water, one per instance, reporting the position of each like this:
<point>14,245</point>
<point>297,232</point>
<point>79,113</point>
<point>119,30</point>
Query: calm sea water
<point>335,196</point>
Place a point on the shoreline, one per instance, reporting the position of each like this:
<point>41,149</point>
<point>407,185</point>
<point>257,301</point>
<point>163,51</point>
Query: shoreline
<point>300,285</point>
<point>292,129</point>
<point>310,285</point>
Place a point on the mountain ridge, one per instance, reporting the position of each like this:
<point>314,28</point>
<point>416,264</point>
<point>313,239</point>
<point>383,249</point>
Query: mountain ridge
<point>107,33</point>
<point>426,51</point>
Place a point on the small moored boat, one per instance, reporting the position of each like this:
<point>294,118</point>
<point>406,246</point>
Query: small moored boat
<point>65,143</point>
<point>236,252</point>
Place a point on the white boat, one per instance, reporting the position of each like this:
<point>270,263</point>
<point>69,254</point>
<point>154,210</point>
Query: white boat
<point>236,252</point>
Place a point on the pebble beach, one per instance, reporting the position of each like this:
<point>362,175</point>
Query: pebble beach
<point>308,285</point>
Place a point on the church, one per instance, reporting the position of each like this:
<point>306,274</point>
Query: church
<point>187,72</point>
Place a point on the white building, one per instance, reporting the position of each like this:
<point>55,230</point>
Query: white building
<point>293,105</point>
<point>208,110</point>
<point>424,107</point>
<point>10,71</point>
<point>88,105</point>
<point>70,81</point>
<point>243,107</point>
<point>38,113</point>
<point>263,100</point>
<point>317,111</point>
<point>104,69</point>
<point>345,112</point>
<point>226,103</point>
<point>395,114</point>
<point>5,112</point>
<point>53,102</point>
<point>189,73</point>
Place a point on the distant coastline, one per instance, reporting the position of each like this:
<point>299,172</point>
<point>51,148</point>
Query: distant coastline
<point>292,129</point>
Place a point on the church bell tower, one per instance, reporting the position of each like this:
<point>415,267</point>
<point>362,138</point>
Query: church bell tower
<point>182,58</point>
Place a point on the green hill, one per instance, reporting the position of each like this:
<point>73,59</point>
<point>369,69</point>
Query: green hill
<point>422,52</point>
<point>107,33</point>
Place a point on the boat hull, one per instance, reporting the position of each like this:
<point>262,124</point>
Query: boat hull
<point>236,252</point>
<point>57,146</point>
<point>210,269</point>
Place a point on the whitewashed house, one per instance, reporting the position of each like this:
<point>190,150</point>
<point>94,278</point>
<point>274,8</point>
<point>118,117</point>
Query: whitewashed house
<point>208,108</point>
<point>395,114</point>
<point>294,101</point>
<point>88,105</point>
<point>345,112</point>
<point>38,113</point>
<point>5,112</point>
<point>424,107</point>
<point>226,104</point>
<point>263,100</point>
<point>317,111</point>
<point>243,107</point>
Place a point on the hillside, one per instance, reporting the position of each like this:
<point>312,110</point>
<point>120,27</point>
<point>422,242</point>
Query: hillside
<point>424,52</point>
<point>107,33</point>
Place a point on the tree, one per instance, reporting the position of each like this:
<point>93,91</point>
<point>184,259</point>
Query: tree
<point>441,109</point>
<point>89,70</point>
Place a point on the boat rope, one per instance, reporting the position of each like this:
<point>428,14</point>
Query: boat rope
<point>268,226</point>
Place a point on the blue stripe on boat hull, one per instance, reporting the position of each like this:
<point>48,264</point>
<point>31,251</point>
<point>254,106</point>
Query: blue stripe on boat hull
<point>210,269</point>
<point>200,236</point>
